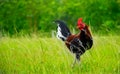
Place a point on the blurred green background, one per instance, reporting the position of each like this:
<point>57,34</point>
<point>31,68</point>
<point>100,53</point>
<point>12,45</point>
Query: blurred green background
<point>26,45</point>
<point>21,17</point>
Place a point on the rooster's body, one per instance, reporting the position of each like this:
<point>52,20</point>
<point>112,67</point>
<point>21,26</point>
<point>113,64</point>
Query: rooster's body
<point>78,43</point>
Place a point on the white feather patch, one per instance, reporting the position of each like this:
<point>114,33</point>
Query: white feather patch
<point>59,34</point>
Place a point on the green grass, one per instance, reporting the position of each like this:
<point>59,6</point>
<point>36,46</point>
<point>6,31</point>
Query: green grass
<point>35,55</point>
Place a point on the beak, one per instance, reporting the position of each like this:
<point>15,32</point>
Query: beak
<point>78,27</point>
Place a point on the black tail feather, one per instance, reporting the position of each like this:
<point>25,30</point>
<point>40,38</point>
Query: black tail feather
<point>62,31</point>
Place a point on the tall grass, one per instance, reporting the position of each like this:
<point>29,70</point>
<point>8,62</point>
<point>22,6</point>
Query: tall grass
<point>26,55</point>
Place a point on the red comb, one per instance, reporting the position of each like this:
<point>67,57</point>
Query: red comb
<point>80,24</point>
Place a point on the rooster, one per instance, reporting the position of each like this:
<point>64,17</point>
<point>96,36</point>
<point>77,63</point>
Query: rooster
<point>77,43</point>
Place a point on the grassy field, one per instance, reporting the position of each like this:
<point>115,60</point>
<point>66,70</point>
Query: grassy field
<point>33,55</point>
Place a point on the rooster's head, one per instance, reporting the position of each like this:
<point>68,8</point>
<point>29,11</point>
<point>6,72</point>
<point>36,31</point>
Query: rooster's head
<point>80,24</point>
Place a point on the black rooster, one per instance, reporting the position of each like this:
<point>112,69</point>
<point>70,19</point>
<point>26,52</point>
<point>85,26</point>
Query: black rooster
<point>77,43</point>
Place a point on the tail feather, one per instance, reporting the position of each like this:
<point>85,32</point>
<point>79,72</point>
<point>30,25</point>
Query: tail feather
<point>62,30</point>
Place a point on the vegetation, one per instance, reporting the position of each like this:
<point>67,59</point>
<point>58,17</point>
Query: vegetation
<point>26,46</point>
<point>36,16</point>
<point>50,56</point>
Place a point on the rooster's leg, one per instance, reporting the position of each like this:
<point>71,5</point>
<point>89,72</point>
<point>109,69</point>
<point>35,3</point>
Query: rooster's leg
<point>78,57</point>
<point>74,61</point>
